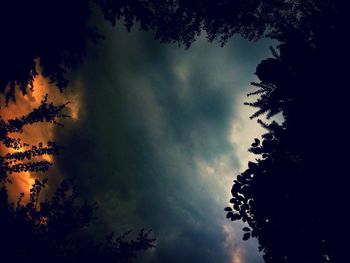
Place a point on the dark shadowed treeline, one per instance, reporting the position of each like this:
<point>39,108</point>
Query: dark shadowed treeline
<point>50,229</point>
<point>293,196</point>
<point>53,230</point>
<point>57,31</point>
<point>54,31</point>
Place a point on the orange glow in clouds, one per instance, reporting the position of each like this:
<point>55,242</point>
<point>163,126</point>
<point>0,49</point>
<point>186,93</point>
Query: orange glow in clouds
<point>36,133</point>
<point>237,256</point>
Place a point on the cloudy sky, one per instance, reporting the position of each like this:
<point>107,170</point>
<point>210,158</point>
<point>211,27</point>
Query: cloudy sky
<point>162,132</point>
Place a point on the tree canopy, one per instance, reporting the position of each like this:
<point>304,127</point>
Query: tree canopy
<point>182,21</point>
<point>50,229</point>
<point>53,230</point>
<point>293,196</point>
<point>56,32</point>
<point>35,232</point>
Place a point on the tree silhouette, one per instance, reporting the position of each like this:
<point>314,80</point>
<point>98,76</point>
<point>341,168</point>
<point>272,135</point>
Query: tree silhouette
<point>56,32</point>
<point>182,21</point>
<point>293,194</point>
<point>20,160</point>
<point>53,229</point>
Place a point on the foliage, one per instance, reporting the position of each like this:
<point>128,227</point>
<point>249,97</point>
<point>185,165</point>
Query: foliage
<point>293,196</point>
<point>182,21</point>
<point>50,230</point>
<point>19,160</point>
<point>294,193</point>
<point>55,33</point>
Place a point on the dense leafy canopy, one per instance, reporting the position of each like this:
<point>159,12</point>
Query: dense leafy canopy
<point>51,230</point>
<point>56,32</point>
<point>20,160</point>
<point>293,196</point>
<point>182,21</point>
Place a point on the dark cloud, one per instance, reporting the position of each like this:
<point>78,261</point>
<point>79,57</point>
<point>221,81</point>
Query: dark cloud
<point>157,119</point>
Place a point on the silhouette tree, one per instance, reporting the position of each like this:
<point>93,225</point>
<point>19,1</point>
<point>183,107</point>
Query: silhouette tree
<point>19,160</point>
<point>293,194</point>
<point>53,229</point>
<point>56,32</point>
<point>182,21</point>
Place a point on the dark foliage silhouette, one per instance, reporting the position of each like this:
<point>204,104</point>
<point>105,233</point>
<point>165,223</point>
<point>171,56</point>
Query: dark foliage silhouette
<point>56,32</point>
<point>22,161</point>
<point>182,21</point>
<point>53,229</point>
<point>293,196</point>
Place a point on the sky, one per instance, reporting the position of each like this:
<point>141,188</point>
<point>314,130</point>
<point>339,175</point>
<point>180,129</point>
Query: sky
<point>162,133</point>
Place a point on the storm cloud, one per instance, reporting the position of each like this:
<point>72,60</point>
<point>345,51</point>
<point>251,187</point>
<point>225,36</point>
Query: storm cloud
<point>160,140</point>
